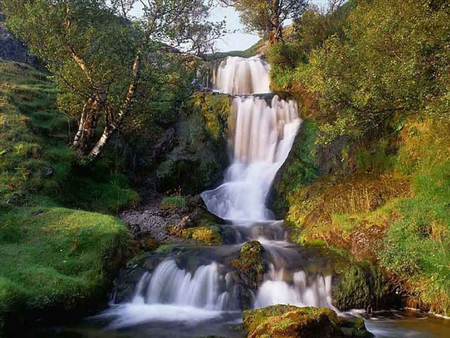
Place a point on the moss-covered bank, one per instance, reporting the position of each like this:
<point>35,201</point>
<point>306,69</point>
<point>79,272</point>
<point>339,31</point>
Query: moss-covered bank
<point>57,260</point>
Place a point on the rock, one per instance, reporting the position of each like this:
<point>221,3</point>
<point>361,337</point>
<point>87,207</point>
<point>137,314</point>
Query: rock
<point>363,286</point>
<point>285,321</point>
<point>175,219</point>
<point>14,50</point>
<point>251,264</point>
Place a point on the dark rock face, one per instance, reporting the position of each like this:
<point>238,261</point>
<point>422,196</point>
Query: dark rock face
<point>284,321</point>
<point>192,156</point>
<point>13,49</point>
<point>364,286</point>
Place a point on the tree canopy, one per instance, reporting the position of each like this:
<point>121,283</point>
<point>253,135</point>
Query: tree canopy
<point>100,54</point>
<point>267,17</point>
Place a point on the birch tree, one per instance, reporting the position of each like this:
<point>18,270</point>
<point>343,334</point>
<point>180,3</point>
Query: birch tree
<point>99,51</point>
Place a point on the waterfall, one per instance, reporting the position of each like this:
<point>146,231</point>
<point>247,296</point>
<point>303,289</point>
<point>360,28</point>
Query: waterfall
<point>262,134</point>
<point>170,285</point>
<point>237,75</point>
<point>262,139</point>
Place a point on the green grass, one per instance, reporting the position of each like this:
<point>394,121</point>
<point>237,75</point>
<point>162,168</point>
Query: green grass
<point>173,202</point>
<point>55,257</point>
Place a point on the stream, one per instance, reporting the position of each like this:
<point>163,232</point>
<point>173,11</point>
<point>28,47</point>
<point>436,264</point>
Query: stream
<point>193,294</point>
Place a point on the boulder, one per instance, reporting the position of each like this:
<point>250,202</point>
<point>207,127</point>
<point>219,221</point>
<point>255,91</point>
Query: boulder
<point>285,321</point>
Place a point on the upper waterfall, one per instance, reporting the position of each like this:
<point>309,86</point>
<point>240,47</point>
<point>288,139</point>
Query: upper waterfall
<point>236,75</point>
<point>262,136</point>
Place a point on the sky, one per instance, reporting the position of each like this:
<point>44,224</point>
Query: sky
<point>239,40</point>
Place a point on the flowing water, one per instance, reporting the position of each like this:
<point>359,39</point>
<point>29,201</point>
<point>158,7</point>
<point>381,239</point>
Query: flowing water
<point>193,293</point>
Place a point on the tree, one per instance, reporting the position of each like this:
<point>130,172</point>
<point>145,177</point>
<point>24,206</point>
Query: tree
<point>393,61</point>
<point>267,17</point>
<point>100,55</point>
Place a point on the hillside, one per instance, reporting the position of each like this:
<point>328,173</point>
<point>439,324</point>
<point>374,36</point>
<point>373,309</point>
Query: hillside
<point>369,173</point>
<point>53,253</point>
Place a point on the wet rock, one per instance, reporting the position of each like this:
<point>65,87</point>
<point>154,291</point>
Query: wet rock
<point>250,267</point>
<point>175,219</point>
<point>251,264</point>
<point>364,286</point>
<point>284,321</point>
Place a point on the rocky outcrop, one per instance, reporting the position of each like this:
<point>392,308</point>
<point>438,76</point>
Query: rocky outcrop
<point>251,264</point>
<point>192,157</point>
<point>284,321</point>
<point>13,49</point>
<point>175,219</point>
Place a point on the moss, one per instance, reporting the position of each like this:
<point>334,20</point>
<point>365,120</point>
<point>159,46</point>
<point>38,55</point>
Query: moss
<point>361,286</point>
<point>251,264</point>
<point>199,157</point>
<point>203,235</point>
<point>56,258</point>
<point>294,322</point>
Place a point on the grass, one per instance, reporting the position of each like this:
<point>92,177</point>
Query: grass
<point>393,211</point>
<point>173,202</point>
<point>55,257</point>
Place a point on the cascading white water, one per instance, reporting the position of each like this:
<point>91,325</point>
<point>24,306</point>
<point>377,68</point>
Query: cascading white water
<point>264,130</point>
<point>169,284</point>
<point>262,139</point>
<point>237,75</point>
<point>305,290</point>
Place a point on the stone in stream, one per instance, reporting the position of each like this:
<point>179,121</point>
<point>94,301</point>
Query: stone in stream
<point>251,265</point>
<point>285,321</point>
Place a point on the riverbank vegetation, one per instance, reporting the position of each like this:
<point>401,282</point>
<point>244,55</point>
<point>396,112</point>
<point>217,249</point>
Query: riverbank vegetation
<point>55,257</point>
<point>369,173</point>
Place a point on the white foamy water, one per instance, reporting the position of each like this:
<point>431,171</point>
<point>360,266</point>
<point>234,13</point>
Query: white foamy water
<point>304,290</point>
<point>262,139</point>
<point>236,75</point>
<point>169,284</point>
<point>263,131</point>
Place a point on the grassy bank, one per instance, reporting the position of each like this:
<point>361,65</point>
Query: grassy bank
<point>369,174</point>
<point>55,257</point>
<point>385,204</point>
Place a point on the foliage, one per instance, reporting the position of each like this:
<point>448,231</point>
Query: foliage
<point>54,256</point>
<point>267,17</point>
<point>391,64</point>
<point>106,62</point>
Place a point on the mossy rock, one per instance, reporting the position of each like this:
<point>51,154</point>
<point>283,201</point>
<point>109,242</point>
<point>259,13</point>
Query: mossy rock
<point>203,234</point>
<point>251,264</point>
<point>363,286</point>
<point>200,155</point>
<point>285,321</point>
